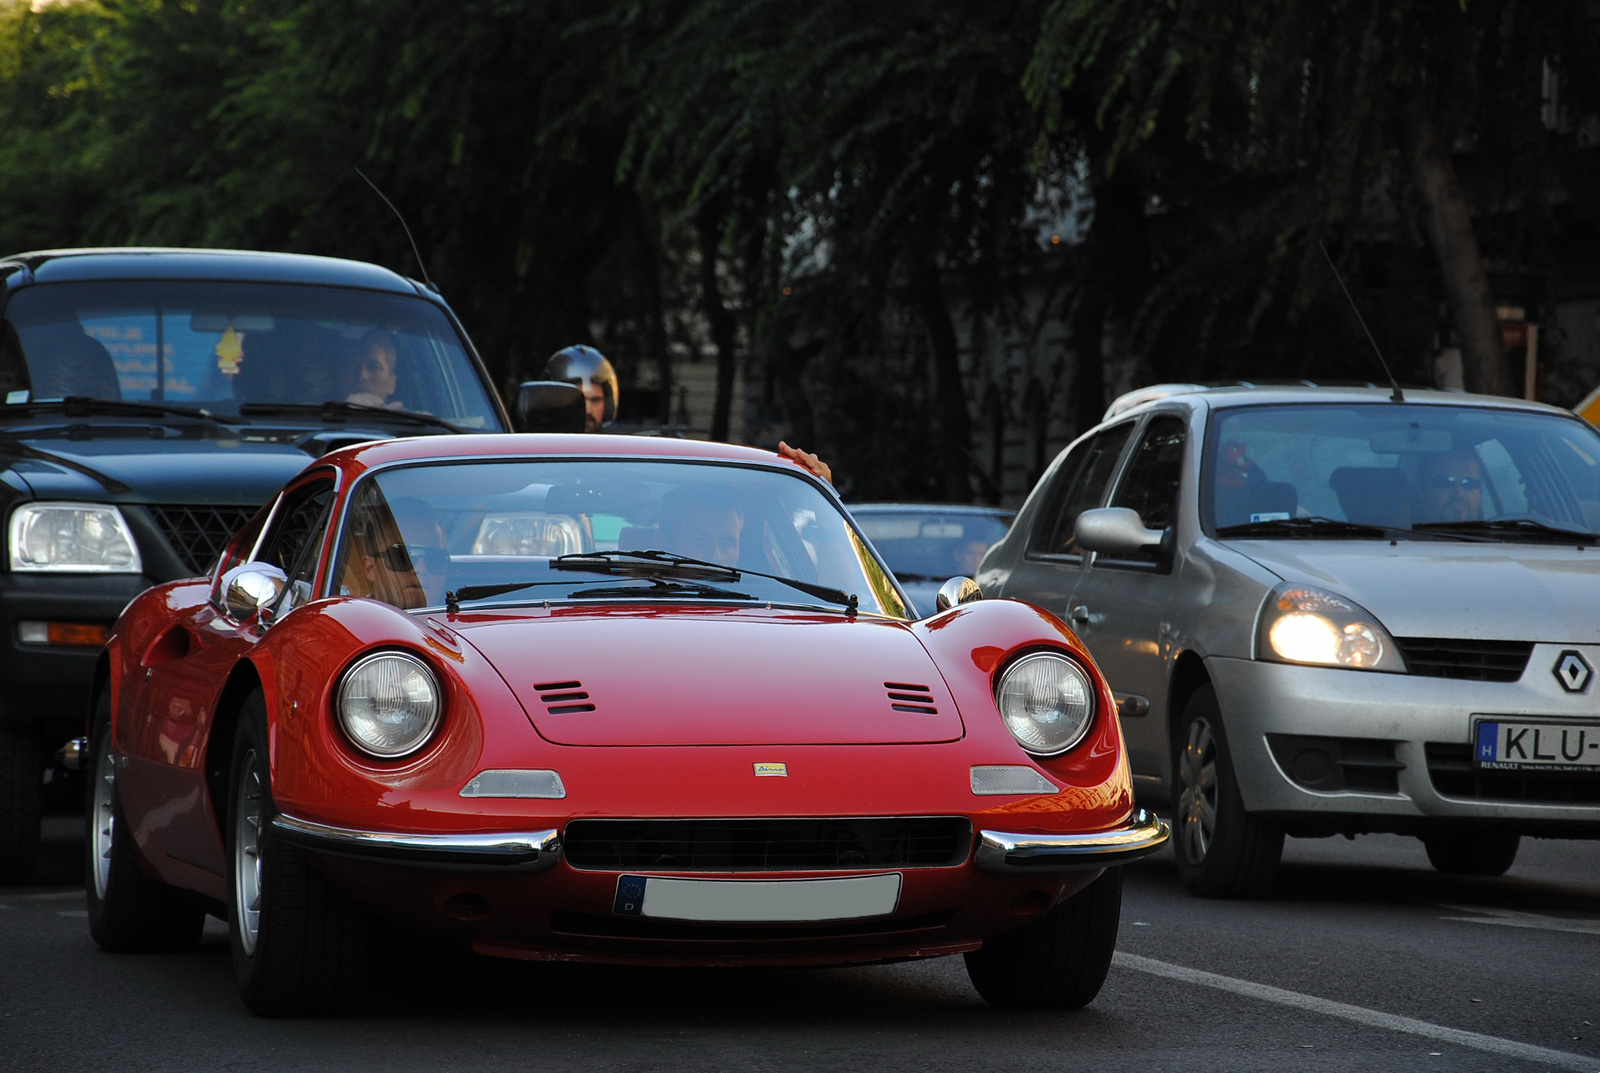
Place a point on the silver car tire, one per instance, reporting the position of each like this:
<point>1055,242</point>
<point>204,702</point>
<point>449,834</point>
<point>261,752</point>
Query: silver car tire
<point>129,912</point>
<point>1222,851</point>
<point>299,947</point>
<point>1488,854</point>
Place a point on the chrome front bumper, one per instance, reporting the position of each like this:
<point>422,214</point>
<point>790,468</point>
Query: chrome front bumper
<point>524,851</point>
<point>1002,852</point>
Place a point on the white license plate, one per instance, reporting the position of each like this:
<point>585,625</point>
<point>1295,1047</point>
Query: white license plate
<point>1513,745</point>
<point>758,900</point>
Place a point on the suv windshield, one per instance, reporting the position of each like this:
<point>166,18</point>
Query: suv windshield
<point>1288,472</point>
<point>224,346</point>
<point>517,531</point>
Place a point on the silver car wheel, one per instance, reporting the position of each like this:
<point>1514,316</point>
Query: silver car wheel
<point>1197,801</point>
<point>104,821</point>
<point>247,820</point>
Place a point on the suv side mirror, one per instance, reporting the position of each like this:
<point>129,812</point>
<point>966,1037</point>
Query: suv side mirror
<point>1115,531</point>
<point>250,589</point>
<point>548,406</point>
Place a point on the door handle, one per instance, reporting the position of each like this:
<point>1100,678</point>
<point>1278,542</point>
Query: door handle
<point>1079,614</point>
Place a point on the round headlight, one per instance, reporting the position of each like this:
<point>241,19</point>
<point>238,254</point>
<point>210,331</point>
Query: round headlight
<point>389,704</point>
<point>1047,703</point>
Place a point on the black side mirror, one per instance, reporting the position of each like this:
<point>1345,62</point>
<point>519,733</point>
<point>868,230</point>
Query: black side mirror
<point>548,406</point>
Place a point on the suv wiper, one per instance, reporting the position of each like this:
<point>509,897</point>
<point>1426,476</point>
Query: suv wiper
<point>334,408</point>
<point>83,406</point>
<point>1314,526</point>
<point>652,562</point>
<point>1526,527</point>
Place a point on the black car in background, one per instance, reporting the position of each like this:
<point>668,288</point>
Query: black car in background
<point>150,401</point>
<point>927,544</point>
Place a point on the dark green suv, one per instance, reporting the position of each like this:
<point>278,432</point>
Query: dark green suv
<point>150,401</point>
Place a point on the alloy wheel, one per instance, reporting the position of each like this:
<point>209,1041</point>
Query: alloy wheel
<point>104,819</point>
<point>1197,800</point>
<point>247,819</point>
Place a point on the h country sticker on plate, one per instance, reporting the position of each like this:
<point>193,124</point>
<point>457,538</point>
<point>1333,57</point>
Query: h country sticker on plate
<point>1517,745</point>
<point>758,900</point>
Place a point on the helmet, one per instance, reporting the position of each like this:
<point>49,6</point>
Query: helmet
<point>586,367</point>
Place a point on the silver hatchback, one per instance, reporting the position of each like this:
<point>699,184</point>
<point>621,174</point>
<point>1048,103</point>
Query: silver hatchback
<point>1327,611</point>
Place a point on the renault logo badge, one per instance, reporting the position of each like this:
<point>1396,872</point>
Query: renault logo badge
<point>1572,671</point>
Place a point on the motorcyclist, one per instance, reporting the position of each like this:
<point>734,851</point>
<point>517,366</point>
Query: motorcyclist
<point>592,373</point>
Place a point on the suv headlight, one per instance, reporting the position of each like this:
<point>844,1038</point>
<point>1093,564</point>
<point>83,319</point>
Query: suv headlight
<point>1305,624</point>
<point>72,537</point>
<point>389,704</point>
<point>1047,702</point>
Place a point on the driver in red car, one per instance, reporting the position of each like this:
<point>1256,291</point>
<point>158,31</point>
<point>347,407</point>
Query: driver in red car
<point>403,556</point>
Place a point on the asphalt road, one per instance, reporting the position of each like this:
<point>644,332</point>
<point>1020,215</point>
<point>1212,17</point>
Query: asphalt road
<point>1365,959</point>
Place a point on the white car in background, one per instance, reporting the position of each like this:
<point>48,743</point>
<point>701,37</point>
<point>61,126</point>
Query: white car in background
<point>1334,611</point>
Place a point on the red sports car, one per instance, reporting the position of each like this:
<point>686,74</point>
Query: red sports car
<point>605,699</point>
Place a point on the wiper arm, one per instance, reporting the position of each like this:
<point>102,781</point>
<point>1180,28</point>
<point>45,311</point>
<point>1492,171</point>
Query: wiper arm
<point>1314,526</point>
<point>662,587</point>
<point>645,563</point>
<point>335,408</point>
<point>83,406</point>
<point>1509,526</point>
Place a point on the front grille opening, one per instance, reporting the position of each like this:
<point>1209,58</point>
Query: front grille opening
<point>904,697</point>
<point>767,845</point>
<point>1329,764</point>
<point>1478,661</point>
<point>564,698</point>
<point>198,535</point>
<point>1451,771</point>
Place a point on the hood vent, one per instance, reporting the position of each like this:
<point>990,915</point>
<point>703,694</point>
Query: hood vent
<point>909,698</point>
<point>563,698</point>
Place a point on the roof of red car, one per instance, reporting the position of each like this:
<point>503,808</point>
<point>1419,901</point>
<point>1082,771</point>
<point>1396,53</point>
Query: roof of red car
<point>422,448</point>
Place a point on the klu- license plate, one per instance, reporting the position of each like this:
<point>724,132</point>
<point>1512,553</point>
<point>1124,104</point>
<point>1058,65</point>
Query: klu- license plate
<point>753,900</point>
<point>1504,745</point>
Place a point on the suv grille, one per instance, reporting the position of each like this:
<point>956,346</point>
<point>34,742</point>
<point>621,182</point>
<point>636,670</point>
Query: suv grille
<point>1481,661</point>
<point>777,845</point>
<point>198,534</point>
<point>1451,771</point>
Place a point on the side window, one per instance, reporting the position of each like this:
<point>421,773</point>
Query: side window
<point>238,549</point>
<point>1080,486</point>
<point>1150,485</point>
<point>291,543</point>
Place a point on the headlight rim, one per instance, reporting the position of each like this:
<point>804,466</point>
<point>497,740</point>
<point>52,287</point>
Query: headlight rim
<point>1390,660</point>
<point>1071,659</point>
<point>424,740</point>
<point>35,507</point>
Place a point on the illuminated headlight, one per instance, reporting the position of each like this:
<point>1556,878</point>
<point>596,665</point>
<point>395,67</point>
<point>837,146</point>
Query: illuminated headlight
<point>75,537</point>
<point>1303,624</point>
<point>1047,702</point>
<point>389,704</point>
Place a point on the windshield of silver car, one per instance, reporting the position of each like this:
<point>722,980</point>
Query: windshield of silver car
<point>481,532</point>
<point>1423,471</point>
<point>232,348</point>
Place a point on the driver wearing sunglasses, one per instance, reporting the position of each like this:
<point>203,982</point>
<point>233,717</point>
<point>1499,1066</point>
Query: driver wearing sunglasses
<point>406,564</point>
<point>1450,487</point>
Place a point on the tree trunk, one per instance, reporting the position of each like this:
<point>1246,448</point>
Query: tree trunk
<point>724,330</point>
<point>1466,282</point>
<point>955,423</point>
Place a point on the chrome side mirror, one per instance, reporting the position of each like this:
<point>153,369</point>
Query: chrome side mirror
<point>250,589</point>
<point>1115,531</point>
<point>958,590</point>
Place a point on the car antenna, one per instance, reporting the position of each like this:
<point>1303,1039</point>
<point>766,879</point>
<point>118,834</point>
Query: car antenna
<point>1397,396</point>
<point>424,268</point>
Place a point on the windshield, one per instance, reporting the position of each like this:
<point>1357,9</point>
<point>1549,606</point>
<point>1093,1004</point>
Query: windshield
<point>932,544</point>
<point>1276,472</point>
<point>224,345</point>
<point>519,531</point>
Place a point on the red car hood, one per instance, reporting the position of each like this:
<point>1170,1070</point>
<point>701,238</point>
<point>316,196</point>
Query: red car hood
<point>628,676</point>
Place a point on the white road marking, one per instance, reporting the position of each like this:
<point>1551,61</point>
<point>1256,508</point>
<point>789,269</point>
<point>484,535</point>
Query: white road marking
<point>1512,918</point>
<point>1506,1048</point>
<point>46,896</point>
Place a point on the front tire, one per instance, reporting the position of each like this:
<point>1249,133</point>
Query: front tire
<point>1059,961</point>
<point>1222,850</point>
<point>129,913</point>
<point>299,947</point>
<point>21,800</point>
<point>1473,855</point>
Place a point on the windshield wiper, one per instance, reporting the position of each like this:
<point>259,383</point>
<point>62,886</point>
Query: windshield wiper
<point>662,587</point>
<point>334,408</point>
<point>84,406</point>
<point>648,563</point>
<point>1503,527</point>
<point>1314,526</point>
